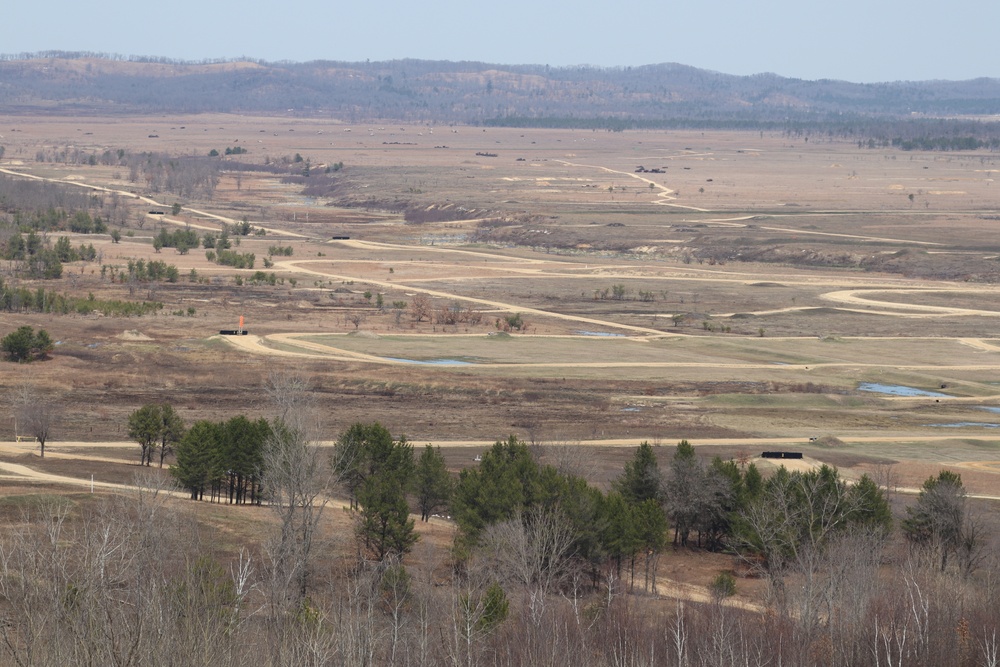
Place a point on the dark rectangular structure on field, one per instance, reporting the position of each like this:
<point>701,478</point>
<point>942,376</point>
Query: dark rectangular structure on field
<point>781,455</point>
<point>233,332</point>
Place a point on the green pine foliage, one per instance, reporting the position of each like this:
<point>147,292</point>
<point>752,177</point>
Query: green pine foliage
<point>233,258</point>
<point>376,470</point>
<point>183,239</point>
<point>937,522</point>
<point>505,483</point>
<point>432,485</point>
<point>223,459</point>
<point>40,300</point>
<point>155,426</point>
<point>24,344</point>
<point>641,480</point>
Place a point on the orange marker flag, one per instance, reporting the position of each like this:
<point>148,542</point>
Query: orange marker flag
<point>241,323</point>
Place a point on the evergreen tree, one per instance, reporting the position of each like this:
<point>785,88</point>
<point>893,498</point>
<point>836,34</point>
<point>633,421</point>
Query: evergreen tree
<point>384,523</point>
<point>23,344</point>
<point>377,471</point>
<point>432,483</point>
<point>685,491</point>
<point>242,443</point>
<point>871,507</point>
<point>796,514</point>
<point>199,458</point>
<point>936,521</point>
<point>641,480</point>
<point>619,533</point>
<point>504,483</point>
<point>355,455</point>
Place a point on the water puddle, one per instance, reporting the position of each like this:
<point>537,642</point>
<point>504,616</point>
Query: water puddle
<point>602,334</point>
<point>898,390</point>
<point>966,424</point>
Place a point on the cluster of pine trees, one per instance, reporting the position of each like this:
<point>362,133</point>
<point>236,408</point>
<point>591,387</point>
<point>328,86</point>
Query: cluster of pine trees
<point>223,459</point>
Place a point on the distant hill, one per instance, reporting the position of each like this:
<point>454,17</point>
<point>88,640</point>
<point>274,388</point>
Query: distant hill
<point>665,95</point>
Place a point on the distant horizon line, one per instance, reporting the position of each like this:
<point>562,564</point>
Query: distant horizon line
<point>167,60</point>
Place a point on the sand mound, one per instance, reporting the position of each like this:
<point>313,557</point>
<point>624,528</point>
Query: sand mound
<point>132,334</point>
<point>363,334</point>
<point>829,441</point>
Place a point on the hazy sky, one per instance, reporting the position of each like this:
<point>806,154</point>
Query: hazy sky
<point>854,40</point>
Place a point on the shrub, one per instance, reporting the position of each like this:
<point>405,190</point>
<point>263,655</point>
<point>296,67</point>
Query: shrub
<point>723,586</point>
<point>25,345</point>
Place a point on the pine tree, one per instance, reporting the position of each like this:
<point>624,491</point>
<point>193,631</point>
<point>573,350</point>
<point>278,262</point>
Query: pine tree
<point>377,470</point>
<point>937,519</point>
<point>504,483</point>
<point>432,483</point>
<point>199,458</point>
<point>641,480</point>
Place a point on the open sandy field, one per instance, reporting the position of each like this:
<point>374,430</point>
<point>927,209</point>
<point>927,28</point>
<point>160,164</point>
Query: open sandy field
<point>741,290</point>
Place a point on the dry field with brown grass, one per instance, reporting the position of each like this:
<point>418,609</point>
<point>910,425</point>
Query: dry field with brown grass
<point>762,280</point>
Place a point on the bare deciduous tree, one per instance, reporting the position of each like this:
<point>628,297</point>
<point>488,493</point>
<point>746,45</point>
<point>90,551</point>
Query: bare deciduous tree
<point>357,318</point>
<point>532,551</point>
<point>420,307</point>
<point>290,399</point>
<point>296,477</point>
<point>36,414</point>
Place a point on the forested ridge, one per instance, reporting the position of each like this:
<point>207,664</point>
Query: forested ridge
<point>661,95</point>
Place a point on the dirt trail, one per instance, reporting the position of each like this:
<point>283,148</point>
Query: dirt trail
<point>151,202</point>
<point>258,345</point>
<point>979,344</point>
<point>296,265</point>
<point>852,297</point>
<point>15,471</point>
<point>664,197</point>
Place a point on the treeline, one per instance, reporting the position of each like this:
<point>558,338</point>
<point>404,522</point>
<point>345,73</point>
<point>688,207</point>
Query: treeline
<point>39,205</point>
<point>55,219</point>
<point>229,461</point>
<point>24,345</point>
<point>29,205</point>
<point>185,175</point>
<point>946,143</point>
<point>140,270</point>
<point>42,261</point>
<point>849,594</point>
<point>25,247</point>
<point>33,257</point>
<point>39,300</point>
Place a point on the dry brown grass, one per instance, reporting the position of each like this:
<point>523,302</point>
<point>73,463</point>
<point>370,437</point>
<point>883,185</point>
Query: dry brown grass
<point>574,238</point>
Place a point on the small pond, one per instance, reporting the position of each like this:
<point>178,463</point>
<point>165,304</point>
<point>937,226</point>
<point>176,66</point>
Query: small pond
<point>898,390</point>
